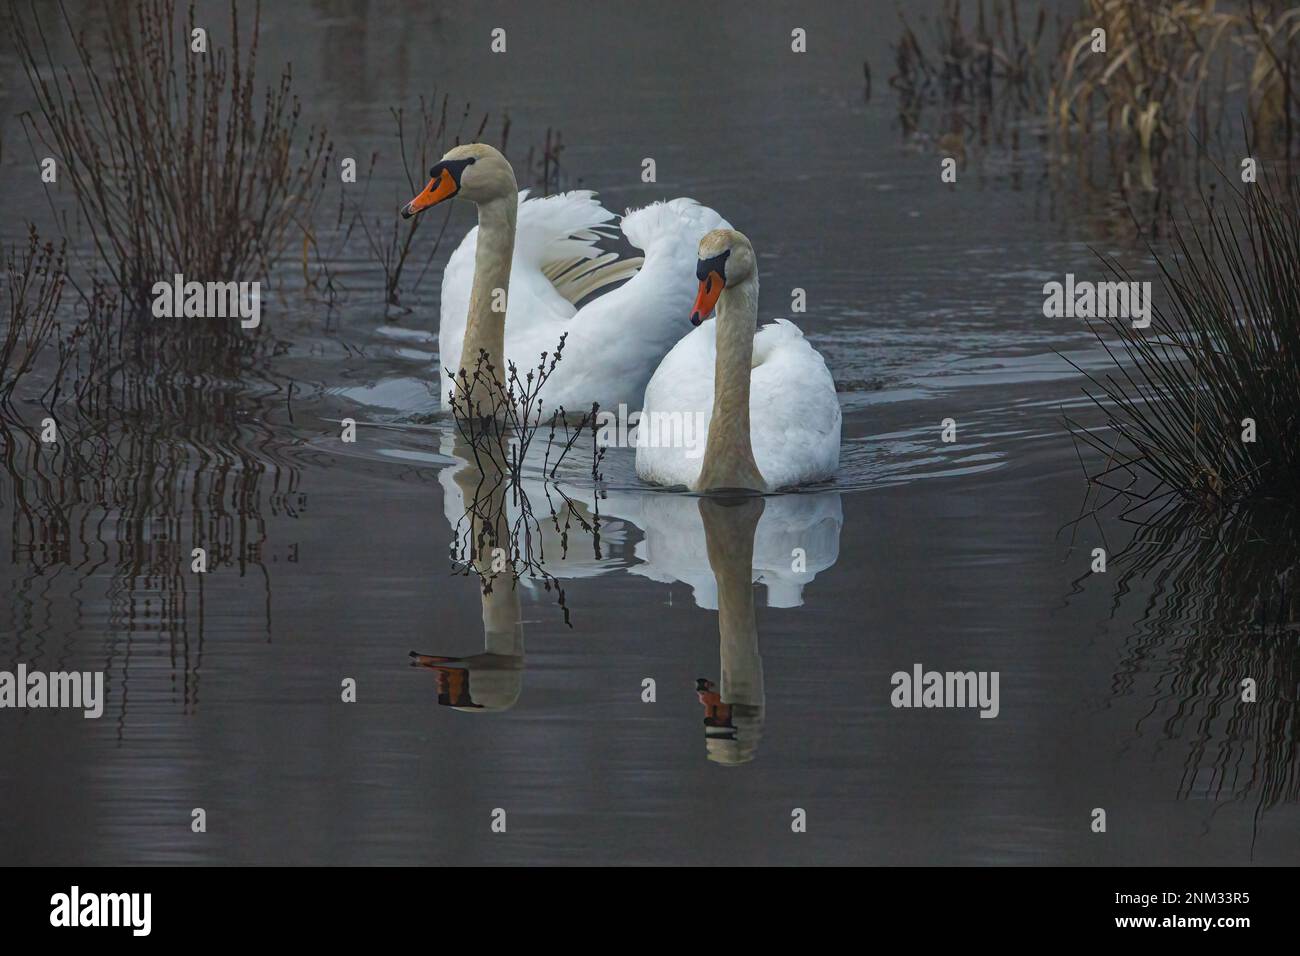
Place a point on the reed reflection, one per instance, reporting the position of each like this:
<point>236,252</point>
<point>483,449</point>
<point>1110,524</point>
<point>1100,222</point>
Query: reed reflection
<point>146,465</point>
<point>1223,610</point>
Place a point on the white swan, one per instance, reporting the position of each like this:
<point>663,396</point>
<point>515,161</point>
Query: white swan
<point>544,252</point>
<point>765,401</point>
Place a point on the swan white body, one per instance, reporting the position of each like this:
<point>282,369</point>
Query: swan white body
<point>794,413</point>
<point>613,341</point>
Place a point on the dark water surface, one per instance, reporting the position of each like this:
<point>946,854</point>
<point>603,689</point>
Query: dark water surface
<point>1118,691</point>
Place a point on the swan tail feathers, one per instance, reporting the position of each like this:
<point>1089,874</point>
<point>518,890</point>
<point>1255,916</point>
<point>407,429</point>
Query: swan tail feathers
<point>674,222</point>
<point>781,330</point>
<point>778,334</point>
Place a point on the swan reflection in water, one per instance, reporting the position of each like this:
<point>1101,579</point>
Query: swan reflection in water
<point>493,680</point>
<point>733,707</point>
<point>722,546</point>
<point>510,531</point>
<point>719,545</point>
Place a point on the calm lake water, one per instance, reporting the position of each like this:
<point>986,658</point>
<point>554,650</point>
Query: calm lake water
<point>331,561</point>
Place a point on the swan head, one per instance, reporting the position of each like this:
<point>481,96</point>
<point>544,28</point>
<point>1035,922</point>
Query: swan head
<point>726,259</point>
<point>473,171</point>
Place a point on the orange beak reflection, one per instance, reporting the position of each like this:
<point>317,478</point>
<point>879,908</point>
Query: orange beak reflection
<point>707,298</point>
<point>443,186</point>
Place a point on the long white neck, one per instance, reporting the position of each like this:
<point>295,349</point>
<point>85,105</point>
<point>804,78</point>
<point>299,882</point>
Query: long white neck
<point>485,329</point>
<point>728,454</point>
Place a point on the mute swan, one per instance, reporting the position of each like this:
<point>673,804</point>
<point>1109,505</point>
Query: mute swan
<point>765,401</point>
<point>544,252</point>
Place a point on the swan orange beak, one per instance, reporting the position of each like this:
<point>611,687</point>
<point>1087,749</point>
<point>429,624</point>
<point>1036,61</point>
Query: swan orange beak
<point>707,298</point>
<point>443,186</point>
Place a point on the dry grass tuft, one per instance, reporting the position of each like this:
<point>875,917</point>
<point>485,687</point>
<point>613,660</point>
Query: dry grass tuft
<point>1225,349</point>
<point>176,162</point>
<point>975,74</point>
<point>1168,68</point>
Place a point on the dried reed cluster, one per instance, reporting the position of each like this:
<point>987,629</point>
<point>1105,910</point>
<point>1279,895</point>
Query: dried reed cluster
<point>1168,68</point>
<point>498,420</point>
<point>1166,76</point>
<point>1206,402</point>
<point>176,161</point>
<point>968,73</point>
